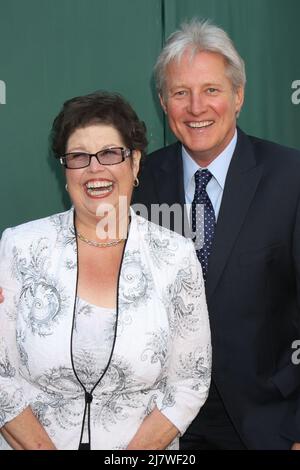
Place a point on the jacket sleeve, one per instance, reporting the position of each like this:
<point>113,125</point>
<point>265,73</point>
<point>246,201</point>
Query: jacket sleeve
<point>12,399</point>
<point>294,425</point>
<point>188,376</point>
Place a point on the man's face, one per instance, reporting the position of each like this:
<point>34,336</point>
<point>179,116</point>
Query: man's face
<point>201,104</point>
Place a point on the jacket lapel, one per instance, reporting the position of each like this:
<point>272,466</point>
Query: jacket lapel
<point>241,182</point>
<point>169,176</point>
<point>169,184</point>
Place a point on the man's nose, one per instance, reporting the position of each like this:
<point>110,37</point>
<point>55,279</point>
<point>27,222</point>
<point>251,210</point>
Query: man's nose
<point>197,104</point>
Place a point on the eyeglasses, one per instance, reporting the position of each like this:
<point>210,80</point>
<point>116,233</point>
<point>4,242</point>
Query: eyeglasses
<point>109,156</point>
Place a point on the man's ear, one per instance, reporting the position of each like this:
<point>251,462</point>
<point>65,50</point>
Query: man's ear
<point>239,99</point>
<point>162,102</point>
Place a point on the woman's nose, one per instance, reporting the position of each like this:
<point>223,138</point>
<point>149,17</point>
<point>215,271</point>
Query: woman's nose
<point>95,165</point>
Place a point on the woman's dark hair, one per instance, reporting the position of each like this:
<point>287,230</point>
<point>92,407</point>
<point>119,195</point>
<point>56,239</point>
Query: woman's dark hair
<point>98,108</point>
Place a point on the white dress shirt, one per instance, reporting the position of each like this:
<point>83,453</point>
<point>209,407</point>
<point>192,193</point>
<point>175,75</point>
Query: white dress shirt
<point>218,168</point>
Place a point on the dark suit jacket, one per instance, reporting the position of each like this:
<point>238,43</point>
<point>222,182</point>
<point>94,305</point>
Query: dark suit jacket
<point>253,283</point>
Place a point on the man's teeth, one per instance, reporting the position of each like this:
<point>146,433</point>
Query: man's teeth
<point>99,187</point>
<point>198,125</point>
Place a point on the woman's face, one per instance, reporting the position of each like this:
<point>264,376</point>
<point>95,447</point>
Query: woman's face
<point>93,187</point>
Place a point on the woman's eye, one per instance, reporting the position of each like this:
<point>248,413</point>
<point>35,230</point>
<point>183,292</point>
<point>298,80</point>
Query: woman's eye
<point>76,156</point>
<point>108,152</point>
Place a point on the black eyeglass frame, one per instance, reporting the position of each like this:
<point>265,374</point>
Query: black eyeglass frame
<point>125,153</point>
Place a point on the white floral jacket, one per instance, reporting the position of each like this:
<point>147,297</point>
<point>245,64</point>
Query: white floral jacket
<point>162,354</point>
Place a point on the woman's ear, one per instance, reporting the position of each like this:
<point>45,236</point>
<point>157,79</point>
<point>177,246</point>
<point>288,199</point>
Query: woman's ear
<point>136,160</point>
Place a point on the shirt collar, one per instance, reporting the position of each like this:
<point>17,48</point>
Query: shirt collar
<point>218,167</point>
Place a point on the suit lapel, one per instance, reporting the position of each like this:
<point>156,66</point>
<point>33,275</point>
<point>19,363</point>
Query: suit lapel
<point>169,183</point>
<point>169,176</point>
<point>242,179</point>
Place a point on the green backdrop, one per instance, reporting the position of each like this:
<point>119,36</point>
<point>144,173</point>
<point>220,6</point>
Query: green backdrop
<point>51,50</point>
<point>266,34</point>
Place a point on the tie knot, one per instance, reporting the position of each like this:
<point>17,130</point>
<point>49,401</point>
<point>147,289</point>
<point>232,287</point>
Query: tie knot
<point>202,177</point>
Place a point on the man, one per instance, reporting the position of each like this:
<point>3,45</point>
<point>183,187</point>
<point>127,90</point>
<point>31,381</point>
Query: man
<point>250,191</point>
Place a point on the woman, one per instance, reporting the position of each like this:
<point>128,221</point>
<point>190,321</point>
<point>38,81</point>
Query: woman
<point>104,332</point>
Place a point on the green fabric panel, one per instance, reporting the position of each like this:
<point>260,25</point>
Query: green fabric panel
<point>50,51</point>
<point>266,34</point>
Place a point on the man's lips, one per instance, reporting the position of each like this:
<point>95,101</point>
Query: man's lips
<point>98,188</point>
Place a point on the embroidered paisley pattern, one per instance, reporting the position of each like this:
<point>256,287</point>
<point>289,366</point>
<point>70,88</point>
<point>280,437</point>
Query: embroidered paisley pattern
<point>184,316</point>
<point>137,281</point>
<point>157,348</point>
<point>162,348</point>
<point>65,233</point>
<point>42,294</point>
<point>162,247</point>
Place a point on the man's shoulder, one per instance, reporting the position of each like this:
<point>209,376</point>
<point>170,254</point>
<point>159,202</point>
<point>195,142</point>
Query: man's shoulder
<point>160,155</point>
<point>274,151</point>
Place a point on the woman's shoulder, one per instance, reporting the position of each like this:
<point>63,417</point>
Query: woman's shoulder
<point>168,252</point>
<point>153,231</point>
<point>41,227</point>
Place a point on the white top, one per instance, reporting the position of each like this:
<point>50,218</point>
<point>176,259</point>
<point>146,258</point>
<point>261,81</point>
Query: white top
<point>162,354</point>
<point>93,337</point>
<point>92,340</point>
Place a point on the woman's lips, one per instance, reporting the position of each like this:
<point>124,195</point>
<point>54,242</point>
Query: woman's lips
<point>98,188</point>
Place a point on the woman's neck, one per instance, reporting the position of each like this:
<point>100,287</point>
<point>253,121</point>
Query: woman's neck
<point>102,229</point>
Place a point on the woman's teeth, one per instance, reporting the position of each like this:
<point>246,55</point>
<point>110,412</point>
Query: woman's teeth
<point>97,188</point>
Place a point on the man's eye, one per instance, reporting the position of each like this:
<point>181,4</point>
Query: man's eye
<point>180,93</point>
<point>212,90</point>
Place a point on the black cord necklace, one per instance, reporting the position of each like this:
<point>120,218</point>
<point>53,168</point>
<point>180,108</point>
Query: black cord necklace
<point>88,395</point>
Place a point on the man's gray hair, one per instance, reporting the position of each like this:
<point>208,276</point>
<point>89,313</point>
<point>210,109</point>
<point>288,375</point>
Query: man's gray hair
<point>198,36</point>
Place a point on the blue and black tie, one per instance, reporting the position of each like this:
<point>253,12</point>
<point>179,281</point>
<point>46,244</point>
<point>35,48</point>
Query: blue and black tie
<point>203,219</point>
